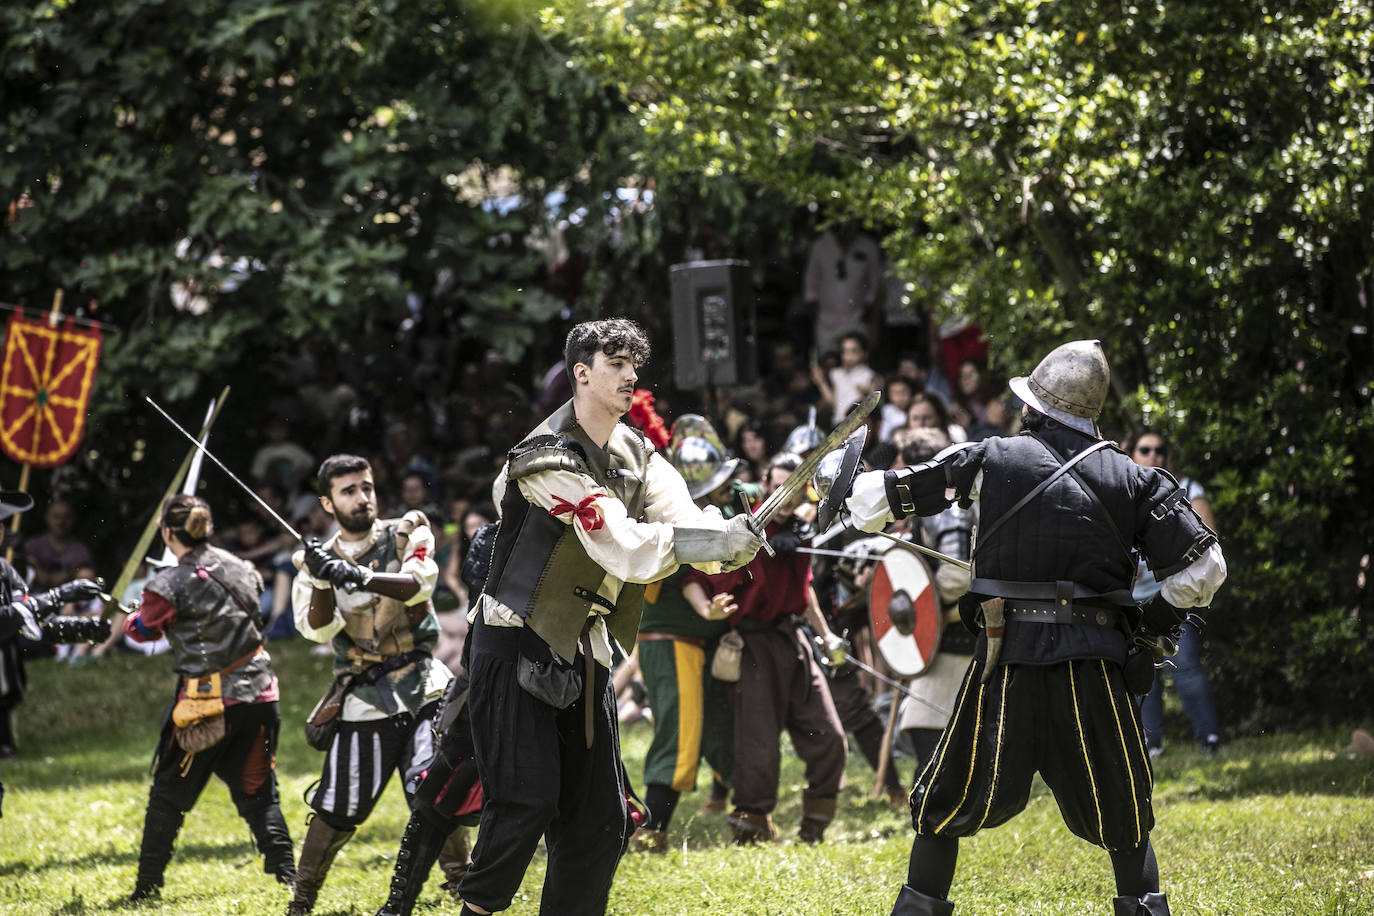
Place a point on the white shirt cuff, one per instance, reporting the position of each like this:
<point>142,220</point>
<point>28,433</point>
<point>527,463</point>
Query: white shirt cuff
<point>1195,585</point>
<point>867,502</point>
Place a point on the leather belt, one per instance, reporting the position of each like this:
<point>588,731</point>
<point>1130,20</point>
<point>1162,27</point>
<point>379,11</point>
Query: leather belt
<point>674,637</point>
<point>1047,591</point>
<point>1099,615</point>
<point>785,622</point>
<point>586,594</point>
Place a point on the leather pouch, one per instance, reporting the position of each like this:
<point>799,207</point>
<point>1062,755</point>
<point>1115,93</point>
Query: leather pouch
<point>725,661</point>
<point>545,676</point>
<point>324,719</point>
<point>199,716</point>
<point>1139,671</point>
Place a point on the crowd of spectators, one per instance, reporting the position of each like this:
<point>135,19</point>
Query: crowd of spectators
<point>436,417</point>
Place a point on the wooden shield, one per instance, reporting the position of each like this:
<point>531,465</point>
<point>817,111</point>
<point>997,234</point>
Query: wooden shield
<point>905,611</point>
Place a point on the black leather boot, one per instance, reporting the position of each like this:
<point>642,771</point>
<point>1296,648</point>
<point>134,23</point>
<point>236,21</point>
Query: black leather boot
<point>273,840</point>
<point>420,846</point>
<point>911,902</point>
<point>321,845</point>
<point>161,824</point>
<point>1150,905</point>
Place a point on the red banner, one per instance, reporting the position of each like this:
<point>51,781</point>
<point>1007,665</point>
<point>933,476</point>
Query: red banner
<point>45,385</point>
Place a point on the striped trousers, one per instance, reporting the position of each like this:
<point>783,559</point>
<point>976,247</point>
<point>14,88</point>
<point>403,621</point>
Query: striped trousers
<point>362,758</point>
<point>1073,722</point>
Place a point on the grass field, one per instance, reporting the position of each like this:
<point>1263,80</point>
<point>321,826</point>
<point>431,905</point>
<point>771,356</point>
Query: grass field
<point>1277,824</point>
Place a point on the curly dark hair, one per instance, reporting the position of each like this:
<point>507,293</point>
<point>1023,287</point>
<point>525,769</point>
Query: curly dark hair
<point>608,336</point>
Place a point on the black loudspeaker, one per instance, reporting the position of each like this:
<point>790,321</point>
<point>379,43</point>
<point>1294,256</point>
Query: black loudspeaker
<point>714,339</point>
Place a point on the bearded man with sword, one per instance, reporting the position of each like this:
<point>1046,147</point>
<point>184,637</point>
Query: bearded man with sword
<point>1061,646</point>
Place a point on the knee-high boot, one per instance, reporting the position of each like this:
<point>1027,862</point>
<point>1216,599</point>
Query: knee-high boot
<point>273,840</point>
<point>161,824</point>
<point>420,846</point>
<point>321,845</point>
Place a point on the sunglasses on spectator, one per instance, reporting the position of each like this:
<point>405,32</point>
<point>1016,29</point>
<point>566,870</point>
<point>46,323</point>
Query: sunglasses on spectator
<point>1160,450</point>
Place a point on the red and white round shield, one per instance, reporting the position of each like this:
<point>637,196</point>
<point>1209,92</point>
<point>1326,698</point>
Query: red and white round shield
<point>905,611</point>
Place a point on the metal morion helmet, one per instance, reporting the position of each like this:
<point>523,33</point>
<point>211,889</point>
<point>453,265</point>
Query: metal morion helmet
<point>803,439</point>
<point>702,465</point>
<point>1069,385</point>
<point>694,424</point>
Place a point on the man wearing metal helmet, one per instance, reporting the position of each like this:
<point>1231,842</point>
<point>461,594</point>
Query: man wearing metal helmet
<point>1049,688</point>
<point>778,682</point>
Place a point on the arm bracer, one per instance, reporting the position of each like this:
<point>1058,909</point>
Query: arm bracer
<point>1174,535</point>
<point>918,490</point>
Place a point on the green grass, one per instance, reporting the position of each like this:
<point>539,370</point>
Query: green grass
<point>1277,824</point>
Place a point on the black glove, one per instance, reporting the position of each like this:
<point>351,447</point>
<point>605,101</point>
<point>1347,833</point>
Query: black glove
<point>316,556</point>
<point>49,602</point>
<point>342,574</point>
<point>1160,618</point>
<point>787,538</point>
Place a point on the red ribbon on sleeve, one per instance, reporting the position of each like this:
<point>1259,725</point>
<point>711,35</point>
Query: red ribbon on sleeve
<point>586,514</point>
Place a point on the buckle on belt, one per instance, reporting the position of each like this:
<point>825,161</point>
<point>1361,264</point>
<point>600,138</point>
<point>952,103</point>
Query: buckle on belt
<point>361,660</point>
<point>1063,596</point>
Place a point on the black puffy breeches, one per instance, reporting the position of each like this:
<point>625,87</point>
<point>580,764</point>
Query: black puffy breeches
<point>1073,722</point>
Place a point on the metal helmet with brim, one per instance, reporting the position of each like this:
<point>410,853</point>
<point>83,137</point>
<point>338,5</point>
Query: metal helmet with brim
<point>835,475</point>
<point>1069,385</point>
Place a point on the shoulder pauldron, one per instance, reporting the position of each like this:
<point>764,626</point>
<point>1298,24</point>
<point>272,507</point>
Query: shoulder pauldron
<point>547,453</point>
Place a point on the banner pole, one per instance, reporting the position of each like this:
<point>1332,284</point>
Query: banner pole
<point>14,520</point>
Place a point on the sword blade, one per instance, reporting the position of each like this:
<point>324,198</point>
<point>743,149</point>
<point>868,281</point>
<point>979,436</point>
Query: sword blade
<point>822,552</point>
<point>145,539</point>
<point>232,476</point>
<point>846,555</point>
<point>920,548</point>
<point>900,688</point>
<point>802,475</point>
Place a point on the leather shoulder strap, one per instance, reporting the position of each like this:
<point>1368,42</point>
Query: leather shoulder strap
<point>1092,495</point>
<point>1064,468</point>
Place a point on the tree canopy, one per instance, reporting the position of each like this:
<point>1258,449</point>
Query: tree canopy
<point>1190,183</point>
<point>233,183</point>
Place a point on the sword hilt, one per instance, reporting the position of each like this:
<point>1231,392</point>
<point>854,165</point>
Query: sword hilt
<point>110,602</point>
<point>754,525</point>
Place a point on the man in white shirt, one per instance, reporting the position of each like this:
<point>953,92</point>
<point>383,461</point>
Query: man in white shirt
<point>589,514</point>
<point>842,281</point>
<point>366,592</point>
